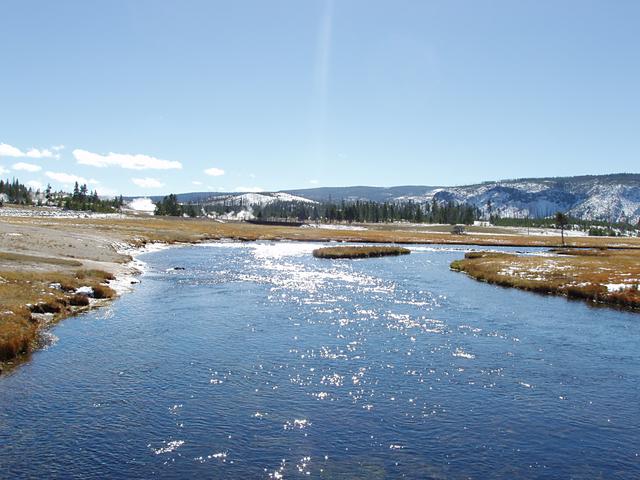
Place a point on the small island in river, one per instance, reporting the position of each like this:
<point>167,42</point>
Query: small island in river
<point>359,252</point>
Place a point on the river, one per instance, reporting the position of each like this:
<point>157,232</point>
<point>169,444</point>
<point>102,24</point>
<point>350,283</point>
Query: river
<point>256,360</point>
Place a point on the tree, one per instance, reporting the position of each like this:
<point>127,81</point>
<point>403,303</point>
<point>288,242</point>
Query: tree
<point>561,221</point>
<point>169,206</point>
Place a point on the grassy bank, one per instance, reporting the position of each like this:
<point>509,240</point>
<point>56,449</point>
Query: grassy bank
<point>600,276</point>
<point>194,230</point>
<point>27,297</point>
<point>139,230</point>
<point>359,252</point>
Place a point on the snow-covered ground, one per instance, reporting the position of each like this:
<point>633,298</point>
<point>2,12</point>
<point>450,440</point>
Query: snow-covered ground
<point>53,212</point>
<point>331,226</point>
<point>552,232</point>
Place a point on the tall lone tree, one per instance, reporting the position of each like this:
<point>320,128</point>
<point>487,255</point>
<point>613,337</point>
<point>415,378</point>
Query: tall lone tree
<point>561,221</point>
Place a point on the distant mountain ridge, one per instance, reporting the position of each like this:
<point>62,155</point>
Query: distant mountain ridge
<point>614,197</point>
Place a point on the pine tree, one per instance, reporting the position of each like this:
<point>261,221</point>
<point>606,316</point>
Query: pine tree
<point>561,221</point>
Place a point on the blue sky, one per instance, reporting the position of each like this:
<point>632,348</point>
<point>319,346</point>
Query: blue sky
<point>149,97</point>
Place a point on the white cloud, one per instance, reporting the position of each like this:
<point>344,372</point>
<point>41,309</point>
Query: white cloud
<point>3,170</point>
<point>147,182</point>
<point>68,178</point>
<point>195,182</point>
<point>314,182</point>
<point>35,153</point>
<point>124,160</point>
<point>26,167</point>
<point>249,189</point>
<point>35,185</point>
<point>214,172</point>
<point>57,148</point>
<point>7,150</point>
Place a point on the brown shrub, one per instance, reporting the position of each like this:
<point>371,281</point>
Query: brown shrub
<point>79,300</point>
<point>586,292</point>
<point>625,298</point>
<point>55,305</point>
<point>16,336</point>
<point>103,291</point>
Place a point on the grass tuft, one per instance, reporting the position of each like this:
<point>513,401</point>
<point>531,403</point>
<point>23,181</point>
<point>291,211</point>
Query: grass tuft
<point>79,300</point>
<point>103,291</point>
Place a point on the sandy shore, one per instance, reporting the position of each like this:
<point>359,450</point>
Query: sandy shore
<point>55,241</point>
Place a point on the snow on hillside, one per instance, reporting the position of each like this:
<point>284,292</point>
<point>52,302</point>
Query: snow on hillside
<point>611,198</point>
<point>251,199</point>
<point>598,197</point>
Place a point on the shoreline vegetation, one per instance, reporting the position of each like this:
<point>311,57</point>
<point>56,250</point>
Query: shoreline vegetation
<point>45,260</point>
<point>598,276</point>
<point>33,301</point>
<point>359,252</point>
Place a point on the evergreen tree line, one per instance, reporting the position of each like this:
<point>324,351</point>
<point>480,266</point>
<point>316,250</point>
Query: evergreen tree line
<point>80,199</point>
<point>169,206</point>
<point>85,200</point>
<point>359,211</point>
<point>16,192</point>
<point>370,212</point>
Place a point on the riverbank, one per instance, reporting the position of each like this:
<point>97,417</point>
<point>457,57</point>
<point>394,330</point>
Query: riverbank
<point>599,276</point>
<point>45,260</point>
<point>48,274</point>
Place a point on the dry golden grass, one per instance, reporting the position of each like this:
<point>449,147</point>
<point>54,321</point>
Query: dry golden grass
<point>21,258</point>
<point>23,293</point>
<point>604,276</point>
<point>17,335</point>
<point>94,274</point>
<point>359,252</point>
<point>173,230</point>
<point>138,231</point>
<point>79,300</point>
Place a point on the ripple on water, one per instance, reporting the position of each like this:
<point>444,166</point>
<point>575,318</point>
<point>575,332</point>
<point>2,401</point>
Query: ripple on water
<point>168,447</point>
<point>318,366</point>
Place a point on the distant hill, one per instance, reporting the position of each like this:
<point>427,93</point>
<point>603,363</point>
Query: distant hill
<point>612,198</point>
<point>375,194</point>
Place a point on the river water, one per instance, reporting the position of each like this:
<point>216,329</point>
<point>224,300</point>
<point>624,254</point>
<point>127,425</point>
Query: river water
<point>259,361</point>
